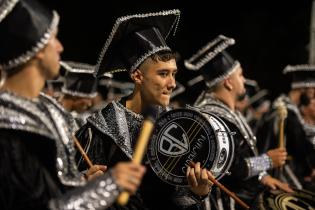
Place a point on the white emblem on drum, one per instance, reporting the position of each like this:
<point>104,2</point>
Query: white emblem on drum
<point>172,146</point>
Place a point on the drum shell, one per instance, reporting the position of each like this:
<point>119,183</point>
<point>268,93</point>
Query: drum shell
<point>171,130</point>
<point>277,200</point>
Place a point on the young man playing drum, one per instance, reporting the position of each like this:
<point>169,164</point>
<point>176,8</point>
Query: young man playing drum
<point>137,45</point>
<point>225,84</point>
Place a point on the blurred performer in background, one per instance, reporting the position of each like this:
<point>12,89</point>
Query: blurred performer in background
<point>224,78</point>
<point>104,87</point>
<point>254,105</point>
<point>79,89</point>
<point>307,108</point>
<point>259,104</point>
<point>53,87</point>
<point>137,45</point>
<point>242,103</point>
<point>177,97</point>
<point>297,142</point>
<point>111,89</point>
<point>37,165</point>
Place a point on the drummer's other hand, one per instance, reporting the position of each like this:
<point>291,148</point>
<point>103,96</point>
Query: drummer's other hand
<point>275,184</point>
<point>198,180</point>
<point>128,175</point>
<point>278,156</point>
<point>311,177</point>
<point>95,171</point>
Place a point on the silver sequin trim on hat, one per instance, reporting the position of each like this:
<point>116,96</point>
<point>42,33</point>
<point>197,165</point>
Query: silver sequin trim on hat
<point>220,78</point>
<point>6,8</point>
<point>302,67</point>
<point>296,85</point>
<point>257,96</point>
<point>125,18</point>
<point>207,56</point>
<point>148,54</point>
<point>77,67</point>
<point>35,49</point>
<point>79,94</point>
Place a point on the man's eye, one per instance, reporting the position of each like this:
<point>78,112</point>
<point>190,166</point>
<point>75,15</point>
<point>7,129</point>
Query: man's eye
<point>163,74</point>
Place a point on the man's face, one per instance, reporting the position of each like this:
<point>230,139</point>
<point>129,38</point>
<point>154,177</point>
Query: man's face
<point>158,81</point>
<point>50,57</point>
<point>310,92</point>
<point>237,80</point>
<point>81,104</point>
<point>242,104</point>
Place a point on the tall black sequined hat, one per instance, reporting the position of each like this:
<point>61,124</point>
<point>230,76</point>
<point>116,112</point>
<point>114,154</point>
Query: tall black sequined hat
<point>134,38</point>
<point>256,96</point>
<point>259,98</point>
<point>79,79</point>
<point>302,76</point>
<point>213,60</point>
<point>251,87</point>
<point>180,88</point>
<point>55,84</point>
<point>25,29</point>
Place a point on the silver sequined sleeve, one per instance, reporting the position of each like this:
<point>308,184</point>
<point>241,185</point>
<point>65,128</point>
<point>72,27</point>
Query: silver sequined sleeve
<point>97,194</point>
<point>185,199</point>
<point>258,164</point>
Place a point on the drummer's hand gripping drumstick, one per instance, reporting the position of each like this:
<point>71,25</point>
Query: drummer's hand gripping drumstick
<point>143,139</point>
<point>223,188</point>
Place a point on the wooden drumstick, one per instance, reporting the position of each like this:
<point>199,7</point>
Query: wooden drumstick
<point>282,111</point>
<point>227,191</point>
<point>143,139</point>
<point>86,158</point>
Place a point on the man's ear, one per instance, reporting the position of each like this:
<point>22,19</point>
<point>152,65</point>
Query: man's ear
<point>227,84</point>
<point>40,55</point>
<point>137,76</point>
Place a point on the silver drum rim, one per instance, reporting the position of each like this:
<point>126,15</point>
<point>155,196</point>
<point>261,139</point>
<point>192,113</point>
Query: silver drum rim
<point>216,143</point>
<point>225,146</point>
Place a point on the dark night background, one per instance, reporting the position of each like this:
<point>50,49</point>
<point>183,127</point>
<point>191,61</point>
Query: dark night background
<point>269,34</point>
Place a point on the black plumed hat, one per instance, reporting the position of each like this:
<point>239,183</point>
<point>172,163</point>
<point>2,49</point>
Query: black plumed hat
<point>213,61</point>
<point>134,38</point>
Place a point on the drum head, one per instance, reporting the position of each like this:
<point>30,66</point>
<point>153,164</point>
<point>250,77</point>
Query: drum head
<point>298,200</point>
<point>181,136</point>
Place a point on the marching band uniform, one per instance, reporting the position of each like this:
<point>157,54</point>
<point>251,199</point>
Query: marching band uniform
<point>247,169</point>
<point>111,133</point>
<point>80,87</point>
<point>37,163</point>
<point>298,136</point>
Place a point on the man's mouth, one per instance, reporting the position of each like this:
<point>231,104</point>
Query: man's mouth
<point>167,93</point>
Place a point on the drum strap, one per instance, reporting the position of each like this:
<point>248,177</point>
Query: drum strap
<point>219,198</point>
<point>232,204</point>
<point>292,176</point>
<point>206,204</point>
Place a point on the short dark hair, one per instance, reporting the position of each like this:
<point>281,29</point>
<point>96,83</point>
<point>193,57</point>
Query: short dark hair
<point>163,56</point>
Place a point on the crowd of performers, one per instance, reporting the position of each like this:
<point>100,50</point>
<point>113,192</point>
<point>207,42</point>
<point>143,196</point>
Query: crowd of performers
<point>69,130</point>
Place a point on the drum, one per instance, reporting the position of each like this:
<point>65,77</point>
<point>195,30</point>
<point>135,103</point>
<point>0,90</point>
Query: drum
<point>182,136</point>
<point>298,200</point>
